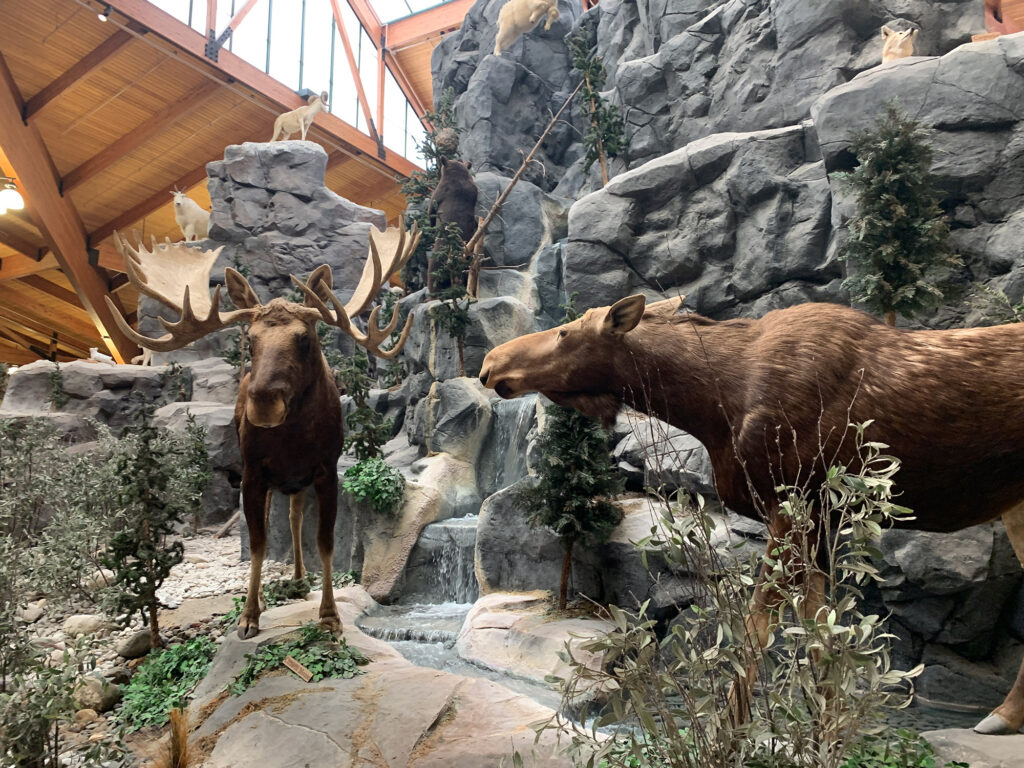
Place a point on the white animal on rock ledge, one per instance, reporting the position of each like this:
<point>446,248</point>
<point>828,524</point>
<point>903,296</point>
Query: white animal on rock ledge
<point>897,45</point>
<point>518,17</point>
<point>193,220</point>
<point>299,119</point>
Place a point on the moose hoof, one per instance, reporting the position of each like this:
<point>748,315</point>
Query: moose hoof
<point>995,725</point>
<point>332,624</point>
<point>248,629</point>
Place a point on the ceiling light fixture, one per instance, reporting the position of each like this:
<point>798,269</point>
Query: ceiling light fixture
<point>104,14</point>
<point>10,198</point>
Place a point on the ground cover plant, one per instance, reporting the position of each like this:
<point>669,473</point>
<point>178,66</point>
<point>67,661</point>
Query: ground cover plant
<point>314,647</point>
<point>164,681</point>
<point>824,682</point>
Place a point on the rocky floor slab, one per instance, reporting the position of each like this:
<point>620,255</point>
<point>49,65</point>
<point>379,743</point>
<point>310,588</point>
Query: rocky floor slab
<point>976,750</point>
<point>395,714</point>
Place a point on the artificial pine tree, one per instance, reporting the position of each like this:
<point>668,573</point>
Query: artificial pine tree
<point>154,491</point>
<point>366,430</point>
<point>576,482</point>
<point>899,237</point>
<point>606,135</point>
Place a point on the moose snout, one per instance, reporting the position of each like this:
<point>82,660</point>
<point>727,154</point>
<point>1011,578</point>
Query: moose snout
<point>266,406</point>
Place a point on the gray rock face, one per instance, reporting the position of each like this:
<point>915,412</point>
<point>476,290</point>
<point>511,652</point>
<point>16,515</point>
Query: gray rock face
<point>970,99</point>
<point>108,393</point>
<point>656,455</point>
<point>273,214</point>
<point>683,69</point>
<point>738,223</point>
<point>504,102</point>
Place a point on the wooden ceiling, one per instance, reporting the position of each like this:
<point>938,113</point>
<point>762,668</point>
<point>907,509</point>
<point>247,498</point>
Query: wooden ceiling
<point>100,121</point>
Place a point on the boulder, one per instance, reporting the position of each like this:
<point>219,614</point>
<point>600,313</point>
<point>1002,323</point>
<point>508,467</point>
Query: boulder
<point>392,714</point>
<point>503,103</point>
<point>274,216</point>
<point>659,456</point>
<point>492,322</point>
<point>519,635</point>
<point>217,419</point>
<point>737,223</point>
<point>134,646</point>
<point>107,393</point>
<point>94,692</point>
<point>86,624</point>
<point>456,417</point>
<point>974,749</point>
<point>453,479</point>
<point>214,380</point>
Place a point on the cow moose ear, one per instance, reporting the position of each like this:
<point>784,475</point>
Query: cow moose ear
<point>239,290</point>
<point>321,282</point>
<point>623,316</point>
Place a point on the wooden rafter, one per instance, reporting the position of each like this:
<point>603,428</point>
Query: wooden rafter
<point>368,17</point>
<point>14,267</point>
<point>403,82</point>
<point>424,25</point>
<point>22,246</point>
<point>231,67</point>
<point>80,69</point>
<point>136,137</point>
<point>41,284</point>
<point>58,220</point>
<point>339,22</point>
<point>31,324</point>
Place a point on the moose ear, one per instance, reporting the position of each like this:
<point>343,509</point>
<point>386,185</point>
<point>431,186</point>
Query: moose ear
<point>623,316</point>
<point>320,282</point>
<point>239,290</point>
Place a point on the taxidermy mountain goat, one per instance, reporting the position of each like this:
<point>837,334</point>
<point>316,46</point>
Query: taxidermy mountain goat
<point>771,398</point>
<point>288,412</point>
<point>517,17</point>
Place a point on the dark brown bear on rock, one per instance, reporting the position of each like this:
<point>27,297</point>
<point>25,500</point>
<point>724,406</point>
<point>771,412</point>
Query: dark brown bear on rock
<point>453,202</point>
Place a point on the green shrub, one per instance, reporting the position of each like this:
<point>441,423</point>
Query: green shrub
<point>375,481</point>
<point>315,648</point>
<point>899,237</point>
<point>366,431</point>
<point>58,397</point>
<point>824,682</point>
<point>165,680</point>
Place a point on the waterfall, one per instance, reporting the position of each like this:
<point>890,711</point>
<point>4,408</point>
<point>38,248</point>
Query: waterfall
<point>503,459</point>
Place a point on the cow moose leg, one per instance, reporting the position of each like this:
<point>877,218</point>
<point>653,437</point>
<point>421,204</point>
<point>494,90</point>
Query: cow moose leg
<point>1008,717</point>
<point>256,503</point>
<point>327,500</point>
<point>295,504</point>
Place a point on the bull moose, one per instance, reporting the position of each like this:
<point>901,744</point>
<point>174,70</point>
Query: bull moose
<point>949,405</point>
<point>288,412</point>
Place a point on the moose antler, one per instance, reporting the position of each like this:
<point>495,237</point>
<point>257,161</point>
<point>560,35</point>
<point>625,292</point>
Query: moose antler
<point>166,271</point>
<point>398,245</point>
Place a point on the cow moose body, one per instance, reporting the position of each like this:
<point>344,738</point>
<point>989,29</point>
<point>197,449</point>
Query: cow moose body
<point>770,397</point>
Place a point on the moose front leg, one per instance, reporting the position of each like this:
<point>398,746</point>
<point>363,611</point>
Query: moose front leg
<point>326,485</point>
<point>295,505</point>
<point>256,503</point>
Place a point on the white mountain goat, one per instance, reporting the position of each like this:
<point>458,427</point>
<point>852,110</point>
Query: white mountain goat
<point>298,120</point>
<point>517,17</point>
<point>193,220</point>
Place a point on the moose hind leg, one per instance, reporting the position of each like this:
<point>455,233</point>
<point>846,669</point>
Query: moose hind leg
<point>295,505</point>
<point>327,501</point>
<point>1008,717</point>
<point>256,502</point>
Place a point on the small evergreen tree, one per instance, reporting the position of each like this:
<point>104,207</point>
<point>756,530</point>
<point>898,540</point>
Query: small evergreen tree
<point>366,430</point>
<point>606,135</point>
<point>899,235</point>
<point>442,140</point>
<point>577,481</point>
<point>156,484</point>
<point>451,265</point>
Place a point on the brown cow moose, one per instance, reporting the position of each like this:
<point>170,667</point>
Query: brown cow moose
<point>948,403</point>
<point>288,412</point>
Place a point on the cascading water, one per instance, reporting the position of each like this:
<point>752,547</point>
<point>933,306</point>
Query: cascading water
<point>503,459</point>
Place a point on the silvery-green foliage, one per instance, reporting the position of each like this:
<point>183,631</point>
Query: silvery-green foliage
<point>823,681</point>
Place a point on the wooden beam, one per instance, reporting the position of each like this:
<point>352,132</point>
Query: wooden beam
<point>424,25</point>
<point>43,285</point>
<point>134,138</point>
<point>14,267</point>
<point>58,220</point>
<point>110,259</point>
<point>34,325</point>
<point>354,69</point>
<point>368,17</point>
<point>240,15</point>
<point>230,67</point>
<point>80,69</point>
<point>381,69</point>
<point>211,19</point>
<point>22,246</point>
<point>403,82</point>
<point>152,203</point>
